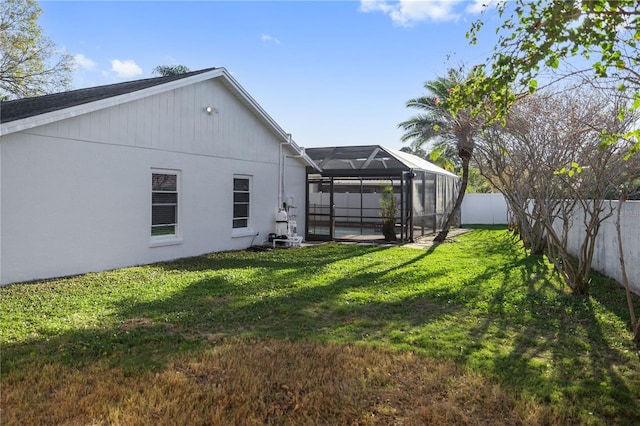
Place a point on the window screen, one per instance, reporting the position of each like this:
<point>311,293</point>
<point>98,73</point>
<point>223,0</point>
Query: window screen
<point>164,204</point>
<point>241,197</point>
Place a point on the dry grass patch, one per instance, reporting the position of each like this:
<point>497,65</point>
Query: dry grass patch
<point>269,382</point>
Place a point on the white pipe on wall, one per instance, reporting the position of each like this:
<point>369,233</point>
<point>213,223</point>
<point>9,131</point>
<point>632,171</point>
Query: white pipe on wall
<point>283,168</point>
<point>280,176</point>
<point>282,165</point>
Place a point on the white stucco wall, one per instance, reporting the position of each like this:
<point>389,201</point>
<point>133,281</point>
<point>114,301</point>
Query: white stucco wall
<point>76,194</point>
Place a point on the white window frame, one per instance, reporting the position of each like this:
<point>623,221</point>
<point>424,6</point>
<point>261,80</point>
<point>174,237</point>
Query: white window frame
<point>245,230</point>
<point>176,237</point>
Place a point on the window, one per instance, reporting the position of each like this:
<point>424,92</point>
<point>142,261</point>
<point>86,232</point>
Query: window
<point>164,204</point>
<point>241,197</point>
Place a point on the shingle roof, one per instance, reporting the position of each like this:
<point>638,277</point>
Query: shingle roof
<point>29,107</point>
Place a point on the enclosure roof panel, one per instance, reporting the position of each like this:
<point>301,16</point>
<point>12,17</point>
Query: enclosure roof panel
<point>368,160</point>
<point>416,163</point>
<point>370,157</point>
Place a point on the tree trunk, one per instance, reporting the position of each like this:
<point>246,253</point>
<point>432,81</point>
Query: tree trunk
<point>442,235</point>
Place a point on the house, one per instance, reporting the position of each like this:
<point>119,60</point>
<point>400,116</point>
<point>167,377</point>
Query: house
<point>343,198</point>
<point>140,172</point>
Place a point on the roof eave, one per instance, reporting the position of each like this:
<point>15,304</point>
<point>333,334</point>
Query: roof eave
<point>249,101</point>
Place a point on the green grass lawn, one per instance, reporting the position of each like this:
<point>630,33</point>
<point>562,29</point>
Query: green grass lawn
<point>479,303</point>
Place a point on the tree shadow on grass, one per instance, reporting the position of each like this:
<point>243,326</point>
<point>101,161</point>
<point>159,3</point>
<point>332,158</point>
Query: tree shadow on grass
<point>274,303</point>
<point>268,301</point>
<point>546,344</point>
<point>144,335</point>
<point>555,347</point>
<point>306,259</point>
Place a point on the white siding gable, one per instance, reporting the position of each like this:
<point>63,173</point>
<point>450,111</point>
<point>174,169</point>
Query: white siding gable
<point>176,121</point>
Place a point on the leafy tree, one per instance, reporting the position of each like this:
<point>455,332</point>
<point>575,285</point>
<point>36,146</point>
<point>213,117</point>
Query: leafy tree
<point>437,124</point>
<point>30,65</point>
<point>546,134</point>
<point>445,156</point>
<point>167,70</point>
<point>478,184</point>
<point>542,35</point>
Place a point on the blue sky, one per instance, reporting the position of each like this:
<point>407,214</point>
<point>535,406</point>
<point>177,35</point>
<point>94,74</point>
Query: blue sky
<point>332,73</point>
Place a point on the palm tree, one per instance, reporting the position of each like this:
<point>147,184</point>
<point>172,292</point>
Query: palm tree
<point>438,124</point>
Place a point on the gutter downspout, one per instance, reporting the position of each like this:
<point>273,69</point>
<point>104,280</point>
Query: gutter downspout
<point>282,159</point>
<point>280,176</point>
<point>283,167</point>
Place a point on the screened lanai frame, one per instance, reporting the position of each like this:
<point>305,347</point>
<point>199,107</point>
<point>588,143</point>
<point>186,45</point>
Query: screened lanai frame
<point>343,200</point>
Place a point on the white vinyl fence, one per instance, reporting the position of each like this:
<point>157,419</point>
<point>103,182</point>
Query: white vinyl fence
<point>484,209</point>
<point>489,209</point>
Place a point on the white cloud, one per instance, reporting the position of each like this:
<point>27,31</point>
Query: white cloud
<point>269,39</point>
<point>477,6</point>
<point>83,62</point>
<point>408,12</point>
<point>125,69</point>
